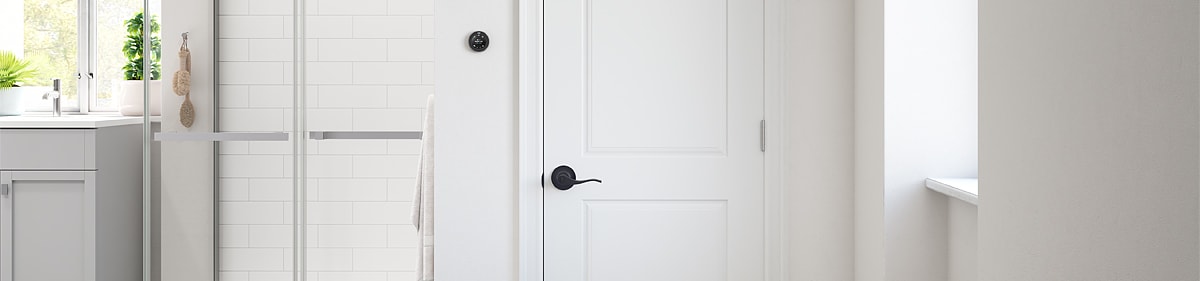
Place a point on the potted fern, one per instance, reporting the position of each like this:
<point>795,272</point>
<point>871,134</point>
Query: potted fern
<point>130,91</point>
<point>14,71</point>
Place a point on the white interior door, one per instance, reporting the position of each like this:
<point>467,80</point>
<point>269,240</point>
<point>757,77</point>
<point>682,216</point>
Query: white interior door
<point>662,101</point>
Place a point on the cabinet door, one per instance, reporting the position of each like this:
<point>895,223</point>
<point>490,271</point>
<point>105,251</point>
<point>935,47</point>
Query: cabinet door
<point>47,225</point>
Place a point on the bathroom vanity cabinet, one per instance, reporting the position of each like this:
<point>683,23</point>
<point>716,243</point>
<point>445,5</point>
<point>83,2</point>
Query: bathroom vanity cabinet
<point>70,201</point>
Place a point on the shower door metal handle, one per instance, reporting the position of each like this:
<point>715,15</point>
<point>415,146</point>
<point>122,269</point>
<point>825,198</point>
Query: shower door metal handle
<point>222,136</point>
<point>364,135</point>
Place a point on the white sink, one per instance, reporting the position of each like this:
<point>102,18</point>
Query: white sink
<point>67,121</point>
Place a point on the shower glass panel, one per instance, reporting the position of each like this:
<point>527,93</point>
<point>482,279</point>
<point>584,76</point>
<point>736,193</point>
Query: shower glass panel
<point>305,144</point>
<point>258,84</point>
<point>368,67</point>
<point>224,190</point>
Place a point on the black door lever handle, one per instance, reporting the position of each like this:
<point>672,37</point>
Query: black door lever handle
<point>563,178</point>
<point>588,180</point>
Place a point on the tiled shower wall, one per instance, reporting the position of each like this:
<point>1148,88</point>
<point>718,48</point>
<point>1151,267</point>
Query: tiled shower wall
<point>369,68</point>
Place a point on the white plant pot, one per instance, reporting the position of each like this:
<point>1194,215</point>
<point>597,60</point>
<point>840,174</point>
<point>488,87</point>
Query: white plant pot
<point>130,93</point>
<point>12,101</point>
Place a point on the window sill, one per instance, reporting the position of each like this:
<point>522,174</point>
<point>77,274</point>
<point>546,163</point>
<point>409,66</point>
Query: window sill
<point>965,189</point>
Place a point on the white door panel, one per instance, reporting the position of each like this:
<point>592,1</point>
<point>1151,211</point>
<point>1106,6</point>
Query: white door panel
<point>626,237</point>
<point>632,76</point>
<point>660,99</point>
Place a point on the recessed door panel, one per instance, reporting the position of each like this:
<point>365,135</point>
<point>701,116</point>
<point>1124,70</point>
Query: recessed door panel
<point>656,75</point>
<point>635,240</point>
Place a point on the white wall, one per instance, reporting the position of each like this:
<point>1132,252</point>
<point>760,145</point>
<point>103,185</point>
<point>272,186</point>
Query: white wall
<point>12,18</point>
<point>476,151</point>
<point>963,233</point>
<point>915,118</point>
<point>930,113</point>
<point>1089,139</point>
<point>819,138</point>
<point>868,140</point>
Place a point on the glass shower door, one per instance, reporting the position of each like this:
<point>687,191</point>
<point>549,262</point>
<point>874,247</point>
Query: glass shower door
<point>259,85</point>
<point>368,75</point>
<point>226,190</point>
<point>305,144</point>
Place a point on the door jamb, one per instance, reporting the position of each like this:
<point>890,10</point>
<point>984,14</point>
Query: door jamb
<point>529,135</point>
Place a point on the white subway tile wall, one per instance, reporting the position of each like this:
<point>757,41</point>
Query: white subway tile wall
<point>369,68</point>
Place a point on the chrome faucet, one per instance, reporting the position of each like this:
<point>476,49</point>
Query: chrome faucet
<point>57,96</point>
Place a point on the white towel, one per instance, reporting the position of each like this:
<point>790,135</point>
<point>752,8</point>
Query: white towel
<point>422,211</point>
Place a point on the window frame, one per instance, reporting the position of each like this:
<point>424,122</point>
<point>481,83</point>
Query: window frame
<point>85,67</point>
<point>87,53</point>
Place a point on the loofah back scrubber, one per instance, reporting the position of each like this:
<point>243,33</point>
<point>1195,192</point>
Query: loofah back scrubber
<point>183,77</point>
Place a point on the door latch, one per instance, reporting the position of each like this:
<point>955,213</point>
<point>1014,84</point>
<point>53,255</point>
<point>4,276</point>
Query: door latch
<point>762,135</point>
<point>4,189</point>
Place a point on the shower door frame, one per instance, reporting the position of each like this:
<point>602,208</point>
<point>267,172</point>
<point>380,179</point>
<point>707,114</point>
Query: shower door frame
<point>298,137</point>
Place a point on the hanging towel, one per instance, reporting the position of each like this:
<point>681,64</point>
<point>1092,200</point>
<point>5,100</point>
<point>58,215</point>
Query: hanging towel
<point>422,211</point>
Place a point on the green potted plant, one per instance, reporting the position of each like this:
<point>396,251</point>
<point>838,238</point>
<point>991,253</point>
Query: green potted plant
<point>14,71</point>
<point>130,91</point>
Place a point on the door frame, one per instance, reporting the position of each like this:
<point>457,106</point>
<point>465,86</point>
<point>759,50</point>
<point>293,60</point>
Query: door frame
<point>529,141</point>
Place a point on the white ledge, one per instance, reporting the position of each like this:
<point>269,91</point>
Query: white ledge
<point>66,121</point>
<point>964,189</point>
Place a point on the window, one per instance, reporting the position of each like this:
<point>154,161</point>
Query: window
<point>78,41</point>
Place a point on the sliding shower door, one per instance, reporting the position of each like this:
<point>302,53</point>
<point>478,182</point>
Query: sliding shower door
<point>260,90</point>
<point>231,143</point>
<point>302,153</point>
<point>223,166</point>
<point>369,68</point>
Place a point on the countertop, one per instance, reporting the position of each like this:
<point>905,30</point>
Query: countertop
<point>69,121</point>
<point>965,189</point>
